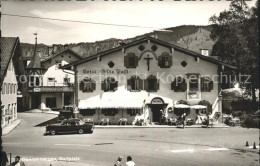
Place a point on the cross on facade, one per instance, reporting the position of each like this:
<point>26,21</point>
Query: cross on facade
<point>148,61</point>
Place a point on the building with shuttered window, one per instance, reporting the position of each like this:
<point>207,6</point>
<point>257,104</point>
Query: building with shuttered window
<point>145,77</point>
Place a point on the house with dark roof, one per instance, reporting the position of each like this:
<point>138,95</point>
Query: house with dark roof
<point>13,90</point>
<point>147,78</point>
<point>50,88</point>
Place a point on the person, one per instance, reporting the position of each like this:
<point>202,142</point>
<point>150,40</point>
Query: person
<point>17,162</point>
<point>129,161</point>
<point>183,120</point>
<point>4,159</point>
<point>118,161</point>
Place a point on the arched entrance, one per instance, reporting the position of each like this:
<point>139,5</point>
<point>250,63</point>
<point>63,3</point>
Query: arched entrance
<point>157,106</point>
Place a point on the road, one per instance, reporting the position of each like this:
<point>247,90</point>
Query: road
<point>147,146</point>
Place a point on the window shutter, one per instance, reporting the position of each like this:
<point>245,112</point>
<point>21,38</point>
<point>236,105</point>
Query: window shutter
<point>157,85</point>
<point>136,61</point>
<point>141,84</point>
<point>126,61</point>
<point>93,85</point>
<point>202,81</point>
<point>173,84</point>
<point>116,85</point>
<point>160,61</point>
<point>184,85</point>
<point>146,84</point>
<point>103,85</point>
<point>129,84</point>
<point>211,85</point>
<point>81,86</point>
<point>170,61</point>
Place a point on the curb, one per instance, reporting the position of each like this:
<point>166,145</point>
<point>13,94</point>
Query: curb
<point>10,127</point>
<point>131,127</point>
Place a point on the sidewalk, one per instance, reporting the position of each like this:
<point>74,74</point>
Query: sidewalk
<point>10,127</point>
<point>40,111</point>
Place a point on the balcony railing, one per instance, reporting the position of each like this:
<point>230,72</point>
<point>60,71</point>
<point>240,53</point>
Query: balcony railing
<point>55,88</point>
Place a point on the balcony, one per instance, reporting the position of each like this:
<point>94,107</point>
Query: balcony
<point>53,88</point>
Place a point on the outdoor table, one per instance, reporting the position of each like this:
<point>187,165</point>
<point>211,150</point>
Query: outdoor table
<point>122,121</point>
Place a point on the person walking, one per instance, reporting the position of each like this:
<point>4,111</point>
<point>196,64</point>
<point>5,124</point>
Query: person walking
<point>183,119</point>
<point>118,161</point>
<point>129,161</point>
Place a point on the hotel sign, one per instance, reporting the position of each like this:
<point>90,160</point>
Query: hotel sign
<point>106,71</point>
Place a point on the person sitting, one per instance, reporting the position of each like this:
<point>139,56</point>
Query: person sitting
<point>129,161</point>
<point>17,162</point>
<point>118,161</point>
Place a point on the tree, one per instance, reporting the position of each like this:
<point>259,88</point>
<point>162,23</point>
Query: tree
<point>236,35</point>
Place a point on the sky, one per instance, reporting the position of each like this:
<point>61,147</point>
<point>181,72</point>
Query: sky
<point>146,13</point>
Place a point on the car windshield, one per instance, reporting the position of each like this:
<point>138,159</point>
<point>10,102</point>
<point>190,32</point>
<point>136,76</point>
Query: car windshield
<point>81,122</point>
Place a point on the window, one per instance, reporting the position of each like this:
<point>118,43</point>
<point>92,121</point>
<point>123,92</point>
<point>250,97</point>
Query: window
<point>151,84</point>
<point>34,81</point>
<point>133,112</point>
<point>165,60</point>
<point>206,84</point>
<point>51,102</point>
<point>109,84</point>
<point>3,88</point>
<point>87,112</point>
<point>11,89</point>
<point>134,84</point>
<point>14,88</point>
<point>194,84</point>
<point>57,64</point>
<point>87,85</point>
<point>131,60</point>
<point>3,110</point>
<point>66,81</point>
<point>51,81</point>
<point>179,85</point>
<point>7,89</point>
<point>109,112</point>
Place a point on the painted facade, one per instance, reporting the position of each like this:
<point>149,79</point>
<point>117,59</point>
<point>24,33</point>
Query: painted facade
<point>152,60</point>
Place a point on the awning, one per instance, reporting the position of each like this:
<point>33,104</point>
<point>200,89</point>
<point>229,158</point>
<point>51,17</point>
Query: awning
<point>181,106</point>
<point>198,106</point>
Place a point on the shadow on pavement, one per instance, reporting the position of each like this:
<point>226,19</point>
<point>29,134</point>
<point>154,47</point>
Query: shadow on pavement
<point>48,122</point>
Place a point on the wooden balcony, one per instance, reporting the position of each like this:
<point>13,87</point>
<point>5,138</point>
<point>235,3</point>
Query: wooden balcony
<point>55,88</point>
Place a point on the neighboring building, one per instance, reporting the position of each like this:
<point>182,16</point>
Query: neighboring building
<point>49,86</point>
<point>12,90</point>
<point>145,76</point>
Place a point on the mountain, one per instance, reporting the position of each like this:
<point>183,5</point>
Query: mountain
<point>191,37</point>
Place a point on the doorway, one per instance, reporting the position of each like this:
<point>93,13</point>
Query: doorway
<point>67,99</point>
<point>156,113</point>
<point>36,101</point>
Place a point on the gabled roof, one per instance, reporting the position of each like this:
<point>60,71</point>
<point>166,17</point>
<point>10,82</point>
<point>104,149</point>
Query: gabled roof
<point>61,52</point>
<point>8,46</point>
<point>141,40</point>
<point>36,61</point>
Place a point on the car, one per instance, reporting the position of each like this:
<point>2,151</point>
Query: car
<point>70,126</point>
<point>66,112</point>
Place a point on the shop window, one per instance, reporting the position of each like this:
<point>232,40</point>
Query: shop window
<point>165,60</point>
<point>87,85</point>
<point>133,112</point>
<point>134,84</point>
<point>51,102</point>
<point>179,85</point>
<point>109,112</point>
<point>151,84</point>
<point>206,84</point>
<point>131,60</point>
<point>109,84</point>
<point>87,112</point>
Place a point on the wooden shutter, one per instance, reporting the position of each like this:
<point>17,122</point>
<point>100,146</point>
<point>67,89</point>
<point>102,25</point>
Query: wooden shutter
<point>211,85</point>
<point>146,84</point>
<point>202,82</point>
<point>157,85</point>
<point>93,85</point>
<point>126,61</point>
<point>103,85</point>
<point>141,84</point>
<point>160,61</point>
<point>136,61</point>
<point>183,85</point>
<point>116,85</point>
<point>81,86</point>
<point>170,61</point>
<point>128,84</point>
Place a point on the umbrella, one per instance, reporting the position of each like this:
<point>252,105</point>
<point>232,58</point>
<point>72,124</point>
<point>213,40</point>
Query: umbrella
<point>181,106</point>
<point>198,106</point>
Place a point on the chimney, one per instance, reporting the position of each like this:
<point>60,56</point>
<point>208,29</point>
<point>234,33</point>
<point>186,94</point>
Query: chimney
<point>55,48</point>
<point>66,46</point>
<point>204,52</point>
<point>50,51</point>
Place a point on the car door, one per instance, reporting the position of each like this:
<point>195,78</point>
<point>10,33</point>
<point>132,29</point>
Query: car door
<point>74,126</point>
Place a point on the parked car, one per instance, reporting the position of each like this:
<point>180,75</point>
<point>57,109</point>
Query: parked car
<point>70,126</point>
<point>66,112</point>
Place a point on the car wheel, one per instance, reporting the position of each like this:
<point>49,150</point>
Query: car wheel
<point>53,132</point>
<point>81,131</point>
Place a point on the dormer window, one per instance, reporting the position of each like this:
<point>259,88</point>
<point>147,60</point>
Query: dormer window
<point>165,60</point>
<point>131,60</point>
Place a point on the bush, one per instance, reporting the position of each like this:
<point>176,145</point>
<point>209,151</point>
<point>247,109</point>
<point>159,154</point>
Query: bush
<point>250,122</point>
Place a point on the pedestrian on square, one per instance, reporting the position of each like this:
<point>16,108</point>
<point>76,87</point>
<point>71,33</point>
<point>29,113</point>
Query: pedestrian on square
<point>17,162</point>
<point>118,161</point>
<point>4,159</point>
<point>183,119</point>
<point>129,161</point>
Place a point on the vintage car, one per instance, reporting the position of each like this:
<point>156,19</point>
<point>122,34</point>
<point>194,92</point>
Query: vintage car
<point>65,113</point>
<point>70,126</point>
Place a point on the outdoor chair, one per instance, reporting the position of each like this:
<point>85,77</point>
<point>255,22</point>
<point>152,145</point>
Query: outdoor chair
<point>190,122</point>
<point>104,121</point>
<point>122,121</point>
<point>172,121</point>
